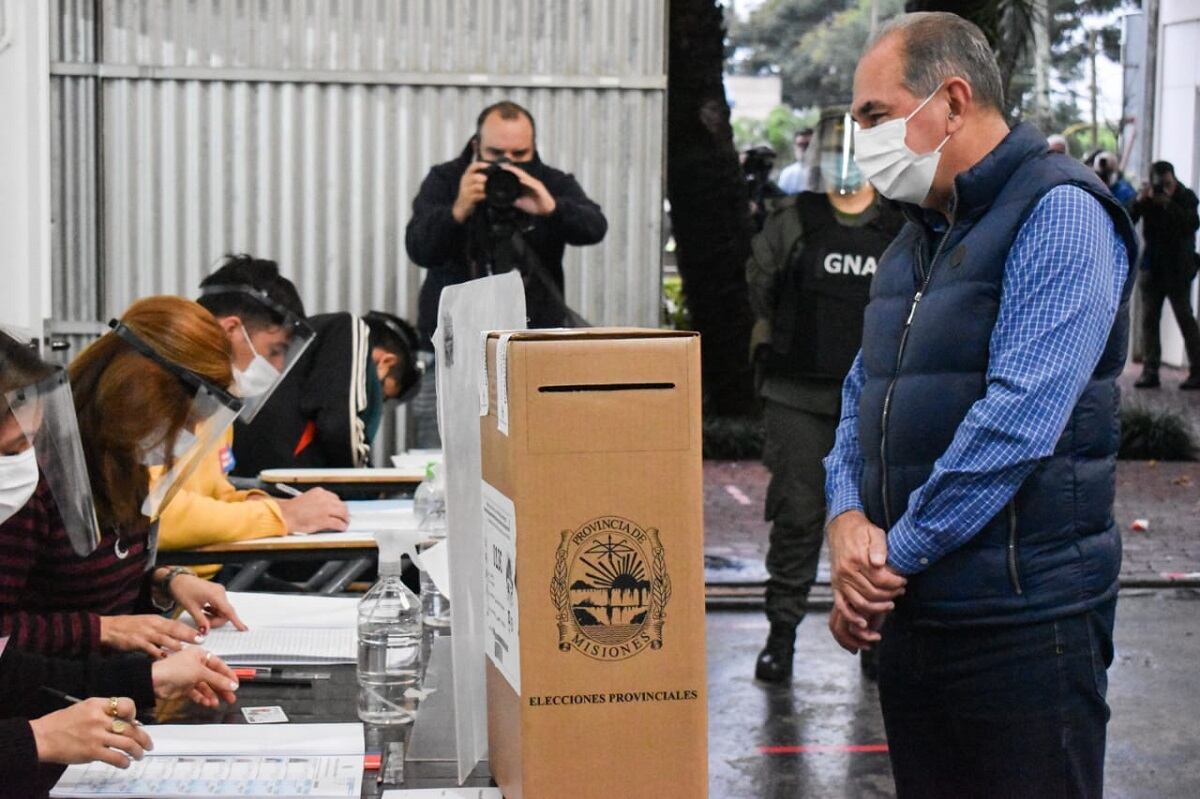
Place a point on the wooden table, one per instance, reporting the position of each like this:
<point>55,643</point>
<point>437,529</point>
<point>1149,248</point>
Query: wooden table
<point>317,547</point>
<point>348,483</point>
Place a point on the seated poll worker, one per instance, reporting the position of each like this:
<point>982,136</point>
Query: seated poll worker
<point>153,391</point>
<point>326,411</point>
<point>263,318</point>
<point>40,443</point>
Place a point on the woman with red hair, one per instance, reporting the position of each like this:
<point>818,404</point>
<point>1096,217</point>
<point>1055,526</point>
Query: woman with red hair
<point>153,391</point>
<point>40,445</point>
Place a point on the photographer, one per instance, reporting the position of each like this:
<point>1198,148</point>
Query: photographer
<point>1167,211</point>
<point>496,208</point>
<point>757,163</point>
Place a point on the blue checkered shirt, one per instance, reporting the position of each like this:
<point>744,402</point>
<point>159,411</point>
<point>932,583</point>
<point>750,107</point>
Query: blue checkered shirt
<point>1061,289</point>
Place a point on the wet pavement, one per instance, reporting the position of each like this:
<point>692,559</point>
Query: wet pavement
<point>778,742</point>
<point>1166,398</point>
<point>1164,495</point>
<point>823,736</point>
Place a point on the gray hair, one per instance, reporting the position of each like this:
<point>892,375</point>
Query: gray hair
<point>940,45</point>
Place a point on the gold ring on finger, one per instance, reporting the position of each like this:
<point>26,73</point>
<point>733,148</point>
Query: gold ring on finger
<point>119,726</point>
<point>112,706</point>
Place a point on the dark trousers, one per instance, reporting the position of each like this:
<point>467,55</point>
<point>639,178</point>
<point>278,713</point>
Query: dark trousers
<point>796,442</point>
<point>998,712</point>
<point>1179,295</point>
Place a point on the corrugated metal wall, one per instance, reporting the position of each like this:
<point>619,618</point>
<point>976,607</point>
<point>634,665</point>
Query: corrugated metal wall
<point>300,130</point>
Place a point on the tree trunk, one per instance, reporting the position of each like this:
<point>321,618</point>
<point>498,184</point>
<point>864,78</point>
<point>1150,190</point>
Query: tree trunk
<point>710,212</point>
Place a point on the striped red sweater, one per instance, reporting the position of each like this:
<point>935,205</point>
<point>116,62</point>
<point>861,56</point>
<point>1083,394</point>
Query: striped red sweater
<point>51,600</point>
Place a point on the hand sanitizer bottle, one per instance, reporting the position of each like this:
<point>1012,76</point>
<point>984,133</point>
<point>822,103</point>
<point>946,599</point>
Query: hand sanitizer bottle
<point>389,642</point>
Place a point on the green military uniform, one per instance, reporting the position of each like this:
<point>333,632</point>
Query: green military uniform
<point>809,276</point>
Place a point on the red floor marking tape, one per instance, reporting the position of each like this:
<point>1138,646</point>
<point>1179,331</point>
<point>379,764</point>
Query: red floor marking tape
<point>822,749</point>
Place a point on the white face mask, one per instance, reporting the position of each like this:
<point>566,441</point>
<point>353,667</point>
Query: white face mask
<point>258,377</point>
<point>894,170</point>
<point>18,481</point>
<point>156,454</point>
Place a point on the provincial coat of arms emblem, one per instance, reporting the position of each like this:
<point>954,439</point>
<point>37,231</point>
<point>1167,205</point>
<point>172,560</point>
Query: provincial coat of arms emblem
<point>610,589</point>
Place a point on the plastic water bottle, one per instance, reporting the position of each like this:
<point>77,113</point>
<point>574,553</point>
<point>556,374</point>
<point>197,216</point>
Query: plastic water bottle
<point>429,506</point>
<point>389,643</point>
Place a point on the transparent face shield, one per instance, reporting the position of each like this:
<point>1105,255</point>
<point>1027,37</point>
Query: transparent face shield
<point>45,411</point>
<point>830,156</point>
<point>211,411</point>
<point>281,353</point>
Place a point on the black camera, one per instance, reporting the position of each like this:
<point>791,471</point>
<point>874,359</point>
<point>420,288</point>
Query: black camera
<point>757,163</point>
<point>1156,184</point>
<point>502,188</point>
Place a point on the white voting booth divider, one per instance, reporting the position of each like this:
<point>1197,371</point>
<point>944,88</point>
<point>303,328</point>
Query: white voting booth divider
<point>465,313</point>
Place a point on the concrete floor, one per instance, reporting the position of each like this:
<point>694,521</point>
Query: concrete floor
<point>822,738</point>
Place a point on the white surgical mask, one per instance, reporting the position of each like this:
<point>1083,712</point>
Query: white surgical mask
<point>258,377</point>
<point>894,170</point>
<point>18,481</point>
<point>156,454</point>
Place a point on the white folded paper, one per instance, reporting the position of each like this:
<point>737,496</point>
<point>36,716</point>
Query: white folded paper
<point>231,760</point>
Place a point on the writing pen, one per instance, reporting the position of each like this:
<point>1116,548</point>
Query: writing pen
<point>257,677</point>
<point>289,490</point>
<point>275,671</point>
<point>62,696</point>
<point>276,681</point>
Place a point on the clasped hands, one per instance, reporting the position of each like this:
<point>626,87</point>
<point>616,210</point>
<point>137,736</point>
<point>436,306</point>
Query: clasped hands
<point>864,586</point>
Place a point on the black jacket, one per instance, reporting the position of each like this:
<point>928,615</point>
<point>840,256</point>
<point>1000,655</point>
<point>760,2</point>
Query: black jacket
<point>313,419</point>
<point>22,675</point>
<point>438,243</point>
<point>1170,234</point>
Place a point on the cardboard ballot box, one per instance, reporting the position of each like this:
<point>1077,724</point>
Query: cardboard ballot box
<point>594,557</point>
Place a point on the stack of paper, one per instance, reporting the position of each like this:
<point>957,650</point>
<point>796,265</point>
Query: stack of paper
<point>368,516</point>
<point>288,629</point>
<point>283,647</point>
<point>225,761</point>
<point>417,459</point>
<point>301,477</point>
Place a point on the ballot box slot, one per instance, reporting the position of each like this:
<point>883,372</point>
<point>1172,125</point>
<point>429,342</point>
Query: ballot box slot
<point>586,387</point>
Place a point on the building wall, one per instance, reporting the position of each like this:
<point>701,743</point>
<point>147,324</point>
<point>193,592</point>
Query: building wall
<point>1177,120</point>
<point>24,165</point>
<point>753,96</point>
<point>302,131</point>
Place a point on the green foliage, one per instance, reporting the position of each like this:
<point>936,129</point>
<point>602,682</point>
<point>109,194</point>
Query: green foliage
<point>1069,41</point>
<point>1079,139</point>
<point>674,306</point>
<point>814,45</point>
<point>778,130</point>
<point>733,438</point>
<point>1155,435</point>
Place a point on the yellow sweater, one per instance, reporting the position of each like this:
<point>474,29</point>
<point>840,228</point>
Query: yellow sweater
<point>207,509</point>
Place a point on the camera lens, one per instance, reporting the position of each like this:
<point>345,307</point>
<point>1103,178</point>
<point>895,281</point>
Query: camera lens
<point>502,188</point>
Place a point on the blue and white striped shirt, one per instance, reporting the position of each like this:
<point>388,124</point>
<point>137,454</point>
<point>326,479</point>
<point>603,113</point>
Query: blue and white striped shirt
<point>1061,289</point>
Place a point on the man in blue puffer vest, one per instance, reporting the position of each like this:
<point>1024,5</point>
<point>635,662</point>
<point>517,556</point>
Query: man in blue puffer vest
<point>970,488</point>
